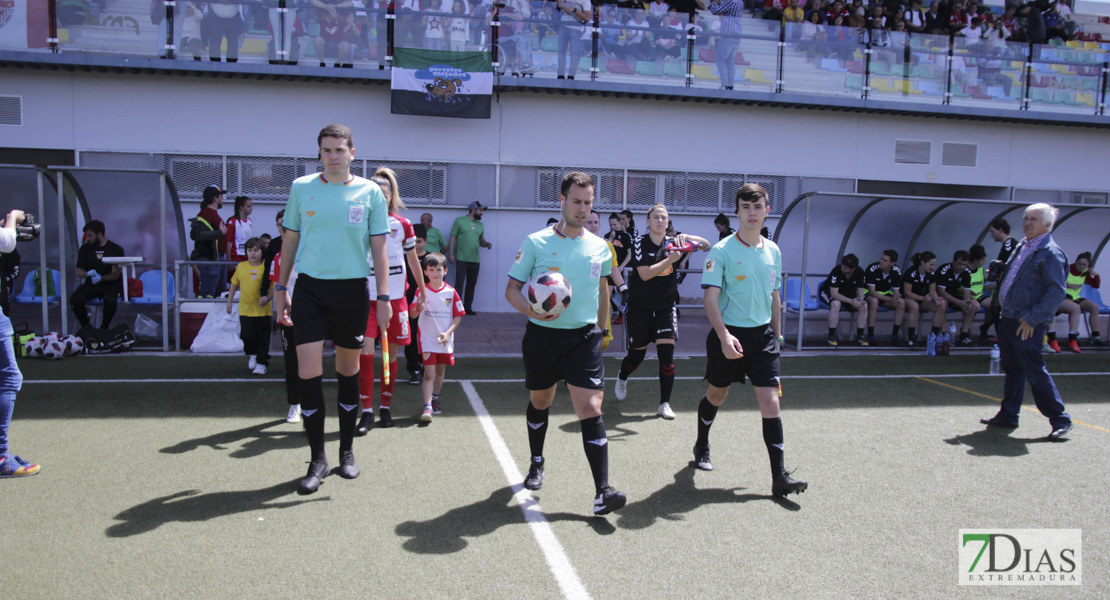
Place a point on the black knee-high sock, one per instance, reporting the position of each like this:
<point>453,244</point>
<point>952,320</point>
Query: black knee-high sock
<point>537,429</point>
<point>348,409</point>
<point>631,362</point>
<point>911,332</point>
<point>312,409</point>
<point>597,450</point>
<point>666,371</point>
<point>895,328</point>
<point>706,414</point>
<point>772,436</point>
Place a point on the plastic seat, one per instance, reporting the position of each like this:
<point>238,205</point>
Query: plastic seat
<point>620,67</point>
<point>793,302</point>
<point>832,64</point>
<point>649,68</point>
<point>704,72</point>
<point>29,293</point>
<point>152,287</point>
<point>1094,295</point>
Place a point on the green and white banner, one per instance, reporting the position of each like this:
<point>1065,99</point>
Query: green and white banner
<point>441,83</point>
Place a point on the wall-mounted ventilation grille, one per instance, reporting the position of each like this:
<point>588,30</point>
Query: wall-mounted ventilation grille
<point>911,152</point>
<point>11,110</point>
<point>959,155</point>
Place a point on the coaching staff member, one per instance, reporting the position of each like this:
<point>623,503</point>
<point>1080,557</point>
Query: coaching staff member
<point>1029,293</point>
<point>333,222</point>
<point>742,279</point>
<point>567,346</point>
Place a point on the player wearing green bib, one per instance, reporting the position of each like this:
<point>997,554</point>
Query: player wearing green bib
<point>742,279</point>
<point>567,346</point>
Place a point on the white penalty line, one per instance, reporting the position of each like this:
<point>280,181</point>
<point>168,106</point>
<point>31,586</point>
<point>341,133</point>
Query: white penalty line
<point>685,378</point>
<point>553,553</point>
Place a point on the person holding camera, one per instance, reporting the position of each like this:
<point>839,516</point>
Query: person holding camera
<point>101,280</point>
<point>11,380</point>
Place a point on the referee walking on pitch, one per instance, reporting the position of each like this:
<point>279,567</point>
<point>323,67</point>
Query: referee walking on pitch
<point>568,345</point>
<point>333,223</point>
<point>742,279</point>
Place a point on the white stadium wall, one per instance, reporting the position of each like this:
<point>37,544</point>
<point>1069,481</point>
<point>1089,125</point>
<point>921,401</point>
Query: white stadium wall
<point>97,112</point>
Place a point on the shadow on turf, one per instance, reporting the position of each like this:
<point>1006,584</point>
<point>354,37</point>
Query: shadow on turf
<point>615,423</point>
<point>673,501</point>
<point>997,441</point>
<point>191,506</point>
<point>255,440</point>
<point>447,533</point>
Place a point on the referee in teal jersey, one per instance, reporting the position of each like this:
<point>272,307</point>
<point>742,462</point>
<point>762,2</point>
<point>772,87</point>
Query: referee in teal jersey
<point>567,346</point>
<point>742,279</point>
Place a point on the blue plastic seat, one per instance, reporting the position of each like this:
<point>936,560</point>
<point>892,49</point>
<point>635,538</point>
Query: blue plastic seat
<point>152,287</point>
<point>30,294</point>
<point>793,302</point>
<point>1094,295</point>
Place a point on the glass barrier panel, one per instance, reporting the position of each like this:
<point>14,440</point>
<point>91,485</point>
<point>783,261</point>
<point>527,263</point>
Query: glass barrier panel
<point>987,73</point>
<point>116,28</point>
<point>752,45</point>
<point>654,48</point>
<point>823,60</point>
<point>25,26</point>
<point>1064,79</point>
<point>928,72</point>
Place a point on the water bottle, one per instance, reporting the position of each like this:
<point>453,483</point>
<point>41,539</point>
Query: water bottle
<point>931,345</point>
<point>945,345</point>
<point>996,360</point>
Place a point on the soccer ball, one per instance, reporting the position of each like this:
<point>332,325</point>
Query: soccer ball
<point>73,345</point>
<point>547,293</point>
<point>34,347</point>
<point>54,350</point>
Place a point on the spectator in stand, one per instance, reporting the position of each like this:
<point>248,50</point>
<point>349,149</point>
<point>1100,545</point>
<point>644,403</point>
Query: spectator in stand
<point>1033,286</point>
<point>836,9</point>
<point>467,235</point>
<point>239,229</point>
<point>954,285</point>
<point>101,280</point>
<point>884,288</point>
<point>610,41</point>
<point>337,34</point>
<point>638,39</point>
<point>1074,305</point>
<point>436,241</point>
<point>973,34</point>
<point>844,289</point>
<point>191,38</point>
<point>1034,23</point>
<point>574,14</point>
<point>919,288</point>
<point>668,46</point>
<point>209,234</point>
<point>842,36</point>
<point>935,23</point>
<point>813,31</point>
<point>657,12</point>
<point>1009,20</point>
<point>772,10</point>
<point>547,21</point>
<point>958,19</point>
<point>458,28</point>
<point>408,26</point>
<point>434,27</point>
<point>723,226</point>
<point>994,32</point>
<point>817,6</point>
<point>990,69</point>
<point>731,12</point>
<point>792,18</point>
<point>222,22</point>
<point>915,18</point>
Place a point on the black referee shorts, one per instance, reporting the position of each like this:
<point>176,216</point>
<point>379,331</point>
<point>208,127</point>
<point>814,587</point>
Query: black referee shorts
<point>334,309</point>
<point>760,361</point>
<point>552,354</point>
<point>645,326</point>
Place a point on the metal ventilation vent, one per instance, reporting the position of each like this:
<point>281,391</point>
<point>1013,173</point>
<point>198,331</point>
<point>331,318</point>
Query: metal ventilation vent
<point>959,155</point>
<point>912,152</point>
<point>11,110</point>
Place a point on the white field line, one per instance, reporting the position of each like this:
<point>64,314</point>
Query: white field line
<point>557,560</point>
<point>686,378</point>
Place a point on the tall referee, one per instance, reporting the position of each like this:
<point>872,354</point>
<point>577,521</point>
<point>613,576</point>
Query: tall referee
<point>334,221</point>
<point>567,346</point>
<point>742,279</point>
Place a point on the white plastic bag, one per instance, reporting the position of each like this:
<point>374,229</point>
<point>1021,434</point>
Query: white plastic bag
<point>220,332</point>
<point>147,328</point>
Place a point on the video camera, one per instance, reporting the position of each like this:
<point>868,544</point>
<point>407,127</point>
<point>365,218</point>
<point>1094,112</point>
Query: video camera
<point>27,230</point>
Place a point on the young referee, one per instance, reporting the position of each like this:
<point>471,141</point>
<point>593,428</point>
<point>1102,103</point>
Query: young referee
<point>567,346</point>
<point>742,279</point>
<point>333,222</point>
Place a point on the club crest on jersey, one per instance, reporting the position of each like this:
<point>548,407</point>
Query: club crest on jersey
<point>447,302</point>
<point>519,256</point>
<point>710,265</point>
<point>310,213</point>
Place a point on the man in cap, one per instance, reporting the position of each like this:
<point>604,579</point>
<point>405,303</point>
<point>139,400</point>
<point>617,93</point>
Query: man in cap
<point>209,234</point>
<point>467,235</point>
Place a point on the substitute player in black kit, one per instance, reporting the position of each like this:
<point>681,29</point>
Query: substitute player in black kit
<point>568,345</point>
<point>652,295</point>
<point>884,288</point>
<point>742,279</point>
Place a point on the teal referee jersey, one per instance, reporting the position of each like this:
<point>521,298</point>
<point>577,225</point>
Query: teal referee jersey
<point>746,276</point>
<point>583,260</point>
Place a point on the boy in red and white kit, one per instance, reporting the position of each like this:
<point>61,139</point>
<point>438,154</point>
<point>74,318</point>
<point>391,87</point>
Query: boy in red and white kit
<point>442,313</point>
<point>400,245</point>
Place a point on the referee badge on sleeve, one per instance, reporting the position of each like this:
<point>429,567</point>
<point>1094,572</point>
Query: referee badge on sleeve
<point>519,256</point>
<point>710,265</point>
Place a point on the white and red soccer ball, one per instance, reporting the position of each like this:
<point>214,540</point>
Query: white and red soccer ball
<point>53,346</point>
<point>547,293</point>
